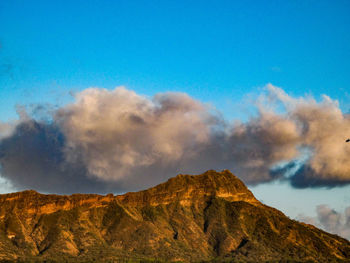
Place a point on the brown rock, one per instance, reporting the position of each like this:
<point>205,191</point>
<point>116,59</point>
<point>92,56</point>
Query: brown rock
<point>188,218</point>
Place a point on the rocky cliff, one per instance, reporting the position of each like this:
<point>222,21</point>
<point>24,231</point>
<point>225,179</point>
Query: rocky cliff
<point>207,217</point>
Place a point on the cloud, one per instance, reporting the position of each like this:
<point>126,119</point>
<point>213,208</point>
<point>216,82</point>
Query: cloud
<point>322,129</point>
<point>261,143</point>
<point>114,140</point>
<point>6,129</point>
<point>330,220</point>
<point>117,140</point>
<point>295,139</point>
<point>32,158</point>
<point>117,133</point>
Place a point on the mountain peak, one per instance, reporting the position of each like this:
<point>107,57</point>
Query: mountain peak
<point>194,188</point>
<point>189,218</point>
<point>210,183</point>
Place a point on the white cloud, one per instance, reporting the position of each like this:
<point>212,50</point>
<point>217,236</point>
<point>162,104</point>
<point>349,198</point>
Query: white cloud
<point>122,140</point>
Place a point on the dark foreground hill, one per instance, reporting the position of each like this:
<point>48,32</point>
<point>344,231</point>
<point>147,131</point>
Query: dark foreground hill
<point>207,217</point>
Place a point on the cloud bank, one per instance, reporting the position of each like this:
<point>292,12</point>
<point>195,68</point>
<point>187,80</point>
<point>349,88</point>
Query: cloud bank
<point>331,220</point>
<point>117,140</point>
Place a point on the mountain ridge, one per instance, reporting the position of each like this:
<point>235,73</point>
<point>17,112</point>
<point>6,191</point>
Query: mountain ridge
<point>179,188</point>
<point>189,218</point>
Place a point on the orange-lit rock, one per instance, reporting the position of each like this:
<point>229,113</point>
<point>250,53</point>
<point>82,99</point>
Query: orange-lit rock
<point>188,218</point>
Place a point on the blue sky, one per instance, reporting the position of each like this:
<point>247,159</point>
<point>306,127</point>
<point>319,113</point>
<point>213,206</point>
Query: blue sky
<point>216,51</point>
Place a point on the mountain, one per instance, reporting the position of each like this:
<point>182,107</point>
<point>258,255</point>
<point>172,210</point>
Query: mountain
<point>211,217</point>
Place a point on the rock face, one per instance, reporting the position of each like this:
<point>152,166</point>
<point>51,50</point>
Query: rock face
<point>207,217</point>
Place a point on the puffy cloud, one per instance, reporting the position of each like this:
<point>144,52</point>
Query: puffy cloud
<point>114,140</point>
<point>261,143</point>
<point>330,220</point>
<point>117,140</point>
<point>322,129</point>
<point>32,158</point>
<point>295,139</point>
<point>118,132</point>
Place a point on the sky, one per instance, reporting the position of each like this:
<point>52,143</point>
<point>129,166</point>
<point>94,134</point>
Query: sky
<point>210,76</point>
